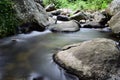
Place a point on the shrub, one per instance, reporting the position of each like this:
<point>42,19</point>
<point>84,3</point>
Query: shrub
<point>98,4</point>
<point>8,20</point>
<point>79,4</point>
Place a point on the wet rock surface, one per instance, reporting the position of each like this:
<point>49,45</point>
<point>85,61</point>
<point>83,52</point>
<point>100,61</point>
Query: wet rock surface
<point>96,59</point>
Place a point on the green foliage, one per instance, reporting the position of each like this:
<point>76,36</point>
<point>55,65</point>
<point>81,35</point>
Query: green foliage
<point>80,4</point>
<point>58,3</point>
<point>98,4</point>
<point>8,20</point>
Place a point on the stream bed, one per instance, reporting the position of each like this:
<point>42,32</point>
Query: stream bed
<point>29,56</point>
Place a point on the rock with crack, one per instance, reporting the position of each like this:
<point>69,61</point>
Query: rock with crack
<point>96,59</point>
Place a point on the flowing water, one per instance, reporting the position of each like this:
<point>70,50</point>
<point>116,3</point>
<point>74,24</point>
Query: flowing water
<point>27,56</point>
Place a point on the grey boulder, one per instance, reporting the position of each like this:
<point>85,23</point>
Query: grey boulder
<point>31,11</point>
<point>114,7</point>
<point>114,23</point>
<point>96,59</point>
<point>67,26</point>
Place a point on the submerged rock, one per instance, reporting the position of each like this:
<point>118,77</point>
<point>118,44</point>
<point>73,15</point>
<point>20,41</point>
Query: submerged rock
<point>96,59</point>
<point>68,26</point>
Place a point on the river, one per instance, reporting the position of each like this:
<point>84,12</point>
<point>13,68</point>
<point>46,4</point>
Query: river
<point>28,56</point>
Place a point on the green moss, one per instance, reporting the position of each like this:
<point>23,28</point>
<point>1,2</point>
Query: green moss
<point>8,20</point>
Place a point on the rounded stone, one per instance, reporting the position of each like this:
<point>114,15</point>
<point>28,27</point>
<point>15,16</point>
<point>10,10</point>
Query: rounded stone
<point>96,59</point>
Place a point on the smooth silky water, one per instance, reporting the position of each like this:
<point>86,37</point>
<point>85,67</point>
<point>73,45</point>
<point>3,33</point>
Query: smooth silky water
<point>28,56</point>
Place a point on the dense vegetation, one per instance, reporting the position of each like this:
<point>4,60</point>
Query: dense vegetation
<point>80,4</point>
<point>8,21</point>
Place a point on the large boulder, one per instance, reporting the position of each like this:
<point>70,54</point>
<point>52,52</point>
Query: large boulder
<point>114,7</point>
<point>96,59</point>
<point>68,26</point>
<point>31,11</point>
<point>114,23</point>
